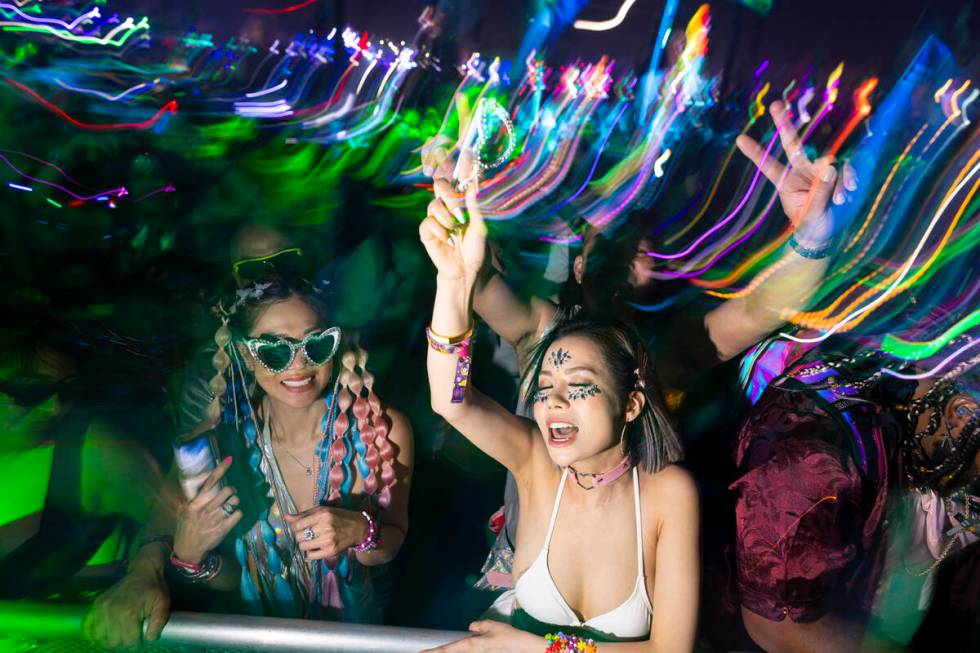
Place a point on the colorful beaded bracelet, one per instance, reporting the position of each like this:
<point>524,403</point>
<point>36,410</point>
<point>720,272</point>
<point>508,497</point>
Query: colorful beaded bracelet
<point>371,541</point>
<point>562,643</point>
<point>195,573</point>
<point>460,348</point>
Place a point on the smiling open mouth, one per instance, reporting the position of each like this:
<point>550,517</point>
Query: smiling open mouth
<point>560,433</point>
<point>298,383</point>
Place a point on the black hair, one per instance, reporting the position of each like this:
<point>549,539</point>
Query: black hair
<point>650,440</point>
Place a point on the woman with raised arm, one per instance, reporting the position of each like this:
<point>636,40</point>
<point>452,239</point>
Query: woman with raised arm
<point>608,543</point>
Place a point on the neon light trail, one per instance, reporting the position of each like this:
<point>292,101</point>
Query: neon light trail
<point>681,167</point>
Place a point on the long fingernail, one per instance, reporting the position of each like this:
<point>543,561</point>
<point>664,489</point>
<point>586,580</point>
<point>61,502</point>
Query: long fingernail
<point>828,174</point>
<point>458,214</point>
<point>227,460</point>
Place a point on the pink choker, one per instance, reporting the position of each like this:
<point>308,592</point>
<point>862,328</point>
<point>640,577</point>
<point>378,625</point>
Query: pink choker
<point>605,478</point>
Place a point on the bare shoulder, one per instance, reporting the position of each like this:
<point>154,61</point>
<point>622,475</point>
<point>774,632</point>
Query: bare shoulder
<point>669,493</point>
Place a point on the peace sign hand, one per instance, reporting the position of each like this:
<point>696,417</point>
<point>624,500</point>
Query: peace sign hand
<point>805,187</point>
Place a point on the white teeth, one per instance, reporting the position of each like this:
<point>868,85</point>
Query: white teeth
<point>562,431</point>
<point>298,384</point>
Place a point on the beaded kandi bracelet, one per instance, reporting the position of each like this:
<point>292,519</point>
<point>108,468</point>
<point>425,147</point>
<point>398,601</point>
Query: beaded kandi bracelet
<point>460,346</point>
<point>371,541</point>
<point>562,643</point>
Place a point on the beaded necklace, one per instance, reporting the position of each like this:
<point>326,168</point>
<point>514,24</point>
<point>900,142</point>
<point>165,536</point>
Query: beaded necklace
<point>917,472</point>
<point>967,521</point>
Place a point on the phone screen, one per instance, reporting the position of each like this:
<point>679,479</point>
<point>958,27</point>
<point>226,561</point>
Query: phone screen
<point>196,460</point>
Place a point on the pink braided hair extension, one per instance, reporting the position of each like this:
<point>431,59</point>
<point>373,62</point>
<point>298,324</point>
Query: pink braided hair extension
<point>338,448</point>
<point>361,411</point>
<point>380,430</point>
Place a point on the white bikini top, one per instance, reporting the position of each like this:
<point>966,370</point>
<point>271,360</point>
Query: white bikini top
<point>538,595</point>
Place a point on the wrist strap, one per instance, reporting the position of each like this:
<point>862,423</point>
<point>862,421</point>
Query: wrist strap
<point>812,253</point>
<point>197,573</point>
<point>461,349</point>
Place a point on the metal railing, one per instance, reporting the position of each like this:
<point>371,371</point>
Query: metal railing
<point>46,622</point>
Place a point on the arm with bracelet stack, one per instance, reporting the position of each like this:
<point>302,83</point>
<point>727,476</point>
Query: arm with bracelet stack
<point>456,247</point>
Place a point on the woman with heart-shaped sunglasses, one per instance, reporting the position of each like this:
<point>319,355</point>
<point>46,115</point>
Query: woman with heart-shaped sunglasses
<point>333,463</point>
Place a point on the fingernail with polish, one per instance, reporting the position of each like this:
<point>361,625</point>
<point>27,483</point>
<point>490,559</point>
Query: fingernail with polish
<point>227,460</point>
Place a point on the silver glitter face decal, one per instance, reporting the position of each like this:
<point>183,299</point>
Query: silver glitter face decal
<point>583,392</point>
<point>559,357</point>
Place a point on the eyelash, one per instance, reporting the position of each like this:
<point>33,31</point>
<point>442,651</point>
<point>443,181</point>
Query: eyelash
<point>578,391</point>
<point>583,391</point>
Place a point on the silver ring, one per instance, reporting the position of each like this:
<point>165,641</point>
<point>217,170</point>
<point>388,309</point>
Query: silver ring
<point>228,508</point>
<point>308,533</point>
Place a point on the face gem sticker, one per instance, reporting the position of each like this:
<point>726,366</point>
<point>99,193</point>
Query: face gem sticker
<point>584,392</point>
<point>559,357</point>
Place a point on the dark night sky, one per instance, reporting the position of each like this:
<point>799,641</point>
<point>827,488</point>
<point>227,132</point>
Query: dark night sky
<point>871,36</point>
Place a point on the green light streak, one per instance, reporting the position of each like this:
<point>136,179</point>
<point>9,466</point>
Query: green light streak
<point>51,201</point>
<point>25,475</point>
<point>85,40</point>
<point>917,350</point>
<point>29,619</point>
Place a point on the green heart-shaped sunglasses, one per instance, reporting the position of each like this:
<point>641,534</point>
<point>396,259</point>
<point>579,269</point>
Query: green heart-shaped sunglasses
<point>276,353</point>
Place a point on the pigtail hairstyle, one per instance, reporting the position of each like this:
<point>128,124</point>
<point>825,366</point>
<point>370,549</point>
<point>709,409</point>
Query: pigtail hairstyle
<point>357,405</point>
<point>356,386</point>
<point>221,362</point>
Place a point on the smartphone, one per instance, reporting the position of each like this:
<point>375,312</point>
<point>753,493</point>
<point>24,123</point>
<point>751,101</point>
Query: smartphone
<point>196,459</point>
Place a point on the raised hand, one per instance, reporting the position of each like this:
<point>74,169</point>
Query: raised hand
<point>457,246</point>
<point>805,187</point>
<point>206,520</point>
<point>439,152</point>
